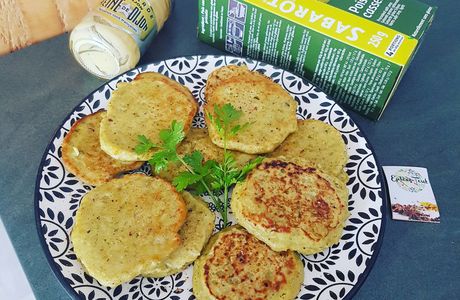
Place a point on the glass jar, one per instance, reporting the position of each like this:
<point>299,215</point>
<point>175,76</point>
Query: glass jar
<point>112,37</point>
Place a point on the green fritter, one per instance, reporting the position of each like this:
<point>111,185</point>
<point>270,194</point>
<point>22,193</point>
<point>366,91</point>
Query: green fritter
<point>124,225</point>
<point>267,108</point>
<point>320,144</point>
<point>82,154</point>
<point>144,106</point>
<point>291,206</point>
<point>237,266</point>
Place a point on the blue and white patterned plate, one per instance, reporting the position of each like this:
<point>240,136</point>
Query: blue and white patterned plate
<point>335,273</point>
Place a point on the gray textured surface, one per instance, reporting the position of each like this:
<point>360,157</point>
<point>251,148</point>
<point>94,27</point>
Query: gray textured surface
<point>41,84</point>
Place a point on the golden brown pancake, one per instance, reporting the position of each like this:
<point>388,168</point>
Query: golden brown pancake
<point>269,110</point>
<point>125,224</point>
<point>319,143</point>
<point>224,73</point>
<point>144,106</point>
<point>291,206</point>
<point>237,266</point>
<point>82,154</point>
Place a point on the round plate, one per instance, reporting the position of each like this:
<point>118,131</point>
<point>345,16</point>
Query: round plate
<point>335,273</point>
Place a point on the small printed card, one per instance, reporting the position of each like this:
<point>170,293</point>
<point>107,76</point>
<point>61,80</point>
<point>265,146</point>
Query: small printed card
<point>411,196</point>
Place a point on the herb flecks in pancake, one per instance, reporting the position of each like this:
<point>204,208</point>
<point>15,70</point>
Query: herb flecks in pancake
<point>236,265</point>
<point>291,205</point>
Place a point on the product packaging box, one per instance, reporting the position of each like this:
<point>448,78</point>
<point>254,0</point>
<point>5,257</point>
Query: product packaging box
<point>355,50</point>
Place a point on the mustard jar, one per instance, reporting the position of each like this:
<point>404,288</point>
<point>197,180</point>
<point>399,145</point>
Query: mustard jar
<point>112,37</point>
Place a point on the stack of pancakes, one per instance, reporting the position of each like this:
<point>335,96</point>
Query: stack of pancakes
<point>297,198</point>
<point>294,201</point>
<point>135,224</point>
<point>139,224</point>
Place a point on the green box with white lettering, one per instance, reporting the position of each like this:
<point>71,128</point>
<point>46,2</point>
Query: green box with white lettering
<point>355,50</point>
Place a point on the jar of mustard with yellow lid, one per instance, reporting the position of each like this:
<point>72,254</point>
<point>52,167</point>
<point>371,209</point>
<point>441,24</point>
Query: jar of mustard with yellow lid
<point>112,37</point>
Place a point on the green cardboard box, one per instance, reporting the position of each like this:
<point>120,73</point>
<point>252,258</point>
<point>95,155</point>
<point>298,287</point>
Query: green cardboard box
<point>356,50</point>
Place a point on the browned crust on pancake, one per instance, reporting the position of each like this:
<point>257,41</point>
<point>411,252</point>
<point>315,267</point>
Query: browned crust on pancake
<point>283,214</point>
<point>291,205</point>
<point>98,167</point>
<point>239,266</point>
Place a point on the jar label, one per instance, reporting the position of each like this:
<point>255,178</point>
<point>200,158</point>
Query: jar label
<point>134,16</point>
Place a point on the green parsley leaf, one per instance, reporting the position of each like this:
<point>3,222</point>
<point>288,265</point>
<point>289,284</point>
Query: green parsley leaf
<point>194,160</point>
<point>198,166</point>
<point>202,176</point>
<point>160,160</point>
<point>249,166</point>
<point>145,144</point>
<point>172,136</point>
<point>186,179</point>
<point>217,124</point>
<point>227,113</point>
<point>223,117</point>
<point>217,176</point>
<point>198,188</point>
<point>234,131</point>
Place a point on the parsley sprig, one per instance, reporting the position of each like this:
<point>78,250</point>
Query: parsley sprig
<point>227,174</point>
<point>166,153</point>
<point>200,175</point>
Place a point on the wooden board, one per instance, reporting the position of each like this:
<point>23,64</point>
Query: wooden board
<point>25,22</point>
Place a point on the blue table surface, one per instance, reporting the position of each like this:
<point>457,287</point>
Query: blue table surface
<point>39,85</point>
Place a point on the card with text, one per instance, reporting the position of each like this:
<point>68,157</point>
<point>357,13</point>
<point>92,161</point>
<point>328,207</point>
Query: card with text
<point>411,196</point>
